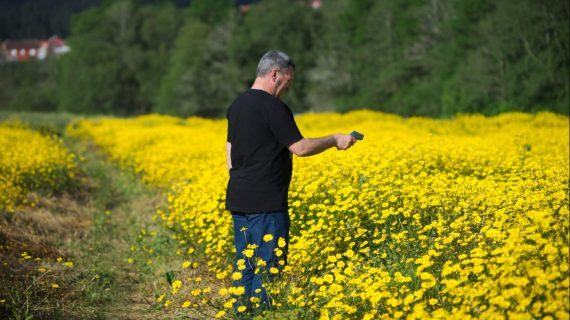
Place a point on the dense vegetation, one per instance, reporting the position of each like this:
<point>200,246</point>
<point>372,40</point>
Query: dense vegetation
<point>432,58</point>
<point>38,19</point>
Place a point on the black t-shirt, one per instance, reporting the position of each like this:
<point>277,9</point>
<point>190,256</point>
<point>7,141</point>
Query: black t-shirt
<point>260,128</point>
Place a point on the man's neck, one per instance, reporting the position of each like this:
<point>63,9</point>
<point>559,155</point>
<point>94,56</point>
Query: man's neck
<point>259,84</point>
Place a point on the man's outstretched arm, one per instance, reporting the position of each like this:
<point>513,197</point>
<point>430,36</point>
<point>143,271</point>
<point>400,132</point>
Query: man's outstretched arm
<point>229,154</point>
<point>311,146</point>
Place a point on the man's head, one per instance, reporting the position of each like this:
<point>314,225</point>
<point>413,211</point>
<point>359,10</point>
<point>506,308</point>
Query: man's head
<point>275,72</point>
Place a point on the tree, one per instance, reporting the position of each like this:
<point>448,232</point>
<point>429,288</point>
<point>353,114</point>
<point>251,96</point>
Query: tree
<point>190,83</point>
<point>117,58</point>
<point>277,24</point>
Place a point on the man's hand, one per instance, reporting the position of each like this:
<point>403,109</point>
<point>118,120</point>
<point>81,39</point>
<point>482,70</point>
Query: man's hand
<point>344,141</point>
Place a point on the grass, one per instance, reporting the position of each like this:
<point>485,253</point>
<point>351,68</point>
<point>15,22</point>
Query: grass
<point>47,123</point>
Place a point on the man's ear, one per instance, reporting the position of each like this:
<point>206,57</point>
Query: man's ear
<point>274,75</point>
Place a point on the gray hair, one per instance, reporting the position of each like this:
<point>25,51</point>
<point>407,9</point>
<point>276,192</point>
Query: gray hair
<point>272,59</point>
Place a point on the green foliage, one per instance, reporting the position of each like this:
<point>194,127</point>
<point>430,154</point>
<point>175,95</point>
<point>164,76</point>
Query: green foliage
<point>178,93</point>
<point>517,62</point>
<point>45,122</point>
<point>276,25</point>
<point>119,52</point>
<point>38,19</point>
<point>435,58</point>
<point>27,86</point>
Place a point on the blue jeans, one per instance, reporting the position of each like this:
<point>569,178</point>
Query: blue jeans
<point>249,228</point>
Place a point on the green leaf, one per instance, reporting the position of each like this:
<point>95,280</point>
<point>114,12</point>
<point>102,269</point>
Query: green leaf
<point>169,276</point>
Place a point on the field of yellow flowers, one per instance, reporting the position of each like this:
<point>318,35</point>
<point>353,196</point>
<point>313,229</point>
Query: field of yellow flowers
<point>31,161</point>
<point>424,218</point>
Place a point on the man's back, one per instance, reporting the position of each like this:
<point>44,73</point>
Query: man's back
<point>260,129</point>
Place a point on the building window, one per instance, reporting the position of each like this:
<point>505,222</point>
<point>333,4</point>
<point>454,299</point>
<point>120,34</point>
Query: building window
<point>22,52</point>
<point>33,52</point>
<point>14,52</point>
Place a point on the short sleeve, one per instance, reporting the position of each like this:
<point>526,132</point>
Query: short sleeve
<point>229,135</point>
<point>283,126</point>
<point>228,139</point>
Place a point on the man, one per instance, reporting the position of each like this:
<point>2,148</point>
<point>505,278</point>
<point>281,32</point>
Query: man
<point>262,135</point>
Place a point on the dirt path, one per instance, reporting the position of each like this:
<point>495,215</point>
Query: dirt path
<point>126,248</point>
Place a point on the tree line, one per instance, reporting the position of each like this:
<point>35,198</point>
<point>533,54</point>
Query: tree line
<point>431,58</point>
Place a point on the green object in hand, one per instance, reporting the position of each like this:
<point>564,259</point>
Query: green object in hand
<point>357,135</point>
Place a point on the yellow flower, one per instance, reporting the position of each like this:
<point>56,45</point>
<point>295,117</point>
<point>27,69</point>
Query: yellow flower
<point>176,285</point>
<point>248,253</point>
<point>237,290</point>
<point>349,253</point>
<point>368,316</point>
<point>241,308</point>
<point>229,304</point>
<point>281,242</point>
<point>31,160</point>
<point>267,237</point>
<point>481,201</point>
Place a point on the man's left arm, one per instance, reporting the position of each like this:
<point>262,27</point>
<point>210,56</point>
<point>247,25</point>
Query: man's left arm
<point>229,154</point>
